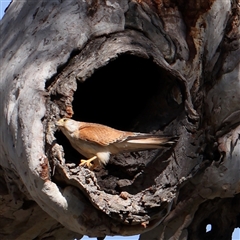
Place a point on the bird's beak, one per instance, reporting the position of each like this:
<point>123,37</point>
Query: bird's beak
<point>59,123</point>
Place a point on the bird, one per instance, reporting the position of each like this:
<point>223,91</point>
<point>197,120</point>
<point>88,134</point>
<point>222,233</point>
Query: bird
<point>98,142</point>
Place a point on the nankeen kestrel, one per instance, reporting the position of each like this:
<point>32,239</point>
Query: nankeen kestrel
<point>97,142</point>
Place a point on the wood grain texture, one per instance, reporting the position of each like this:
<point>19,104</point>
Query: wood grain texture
<point>171,68</point>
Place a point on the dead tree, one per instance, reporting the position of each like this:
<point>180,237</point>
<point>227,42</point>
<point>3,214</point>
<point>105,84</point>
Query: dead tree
<point>168,67</point>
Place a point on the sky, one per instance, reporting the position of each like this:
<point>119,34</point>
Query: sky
<point>236,233</point>
<point>3,5</point>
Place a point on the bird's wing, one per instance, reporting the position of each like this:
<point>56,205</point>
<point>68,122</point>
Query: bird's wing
<point>100,134</point>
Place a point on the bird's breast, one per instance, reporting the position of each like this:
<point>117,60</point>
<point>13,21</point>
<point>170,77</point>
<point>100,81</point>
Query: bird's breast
<point>86,148</point>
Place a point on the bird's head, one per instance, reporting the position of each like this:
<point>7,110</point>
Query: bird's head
<point>68,125</point>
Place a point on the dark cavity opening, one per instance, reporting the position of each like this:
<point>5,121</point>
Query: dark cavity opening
<point>129,93</point>
<point>206,229</point>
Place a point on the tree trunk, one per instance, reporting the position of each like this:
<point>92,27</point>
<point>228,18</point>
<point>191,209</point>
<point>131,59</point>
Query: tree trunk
<point>163,67</point>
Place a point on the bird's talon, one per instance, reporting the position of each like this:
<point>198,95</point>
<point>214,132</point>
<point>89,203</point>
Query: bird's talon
<point>87,163</point>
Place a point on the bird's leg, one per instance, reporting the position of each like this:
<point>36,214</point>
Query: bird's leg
<point>88,162</point>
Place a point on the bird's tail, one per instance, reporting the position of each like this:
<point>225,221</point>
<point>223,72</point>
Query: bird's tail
<point>146,141</point>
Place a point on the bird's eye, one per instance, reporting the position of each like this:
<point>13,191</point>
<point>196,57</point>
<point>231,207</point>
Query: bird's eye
<point>64,119</point>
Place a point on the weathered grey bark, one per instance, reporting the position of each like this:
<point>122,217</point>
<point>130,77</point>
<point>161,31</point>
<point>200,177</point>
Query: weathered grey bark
<point>167,67</point>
